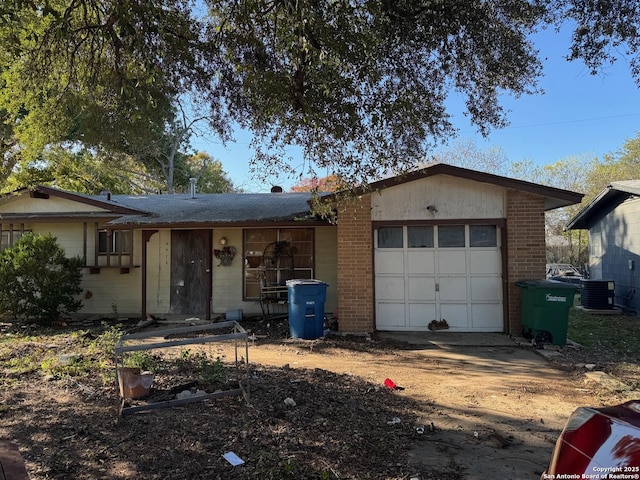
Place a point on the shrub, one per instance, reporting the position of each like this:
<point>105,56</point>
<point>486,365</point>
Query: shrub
<point>37,281</point>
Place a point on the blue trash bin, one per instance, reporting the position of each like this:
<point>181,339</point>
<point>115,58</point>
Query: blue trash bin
<point>306,308</point>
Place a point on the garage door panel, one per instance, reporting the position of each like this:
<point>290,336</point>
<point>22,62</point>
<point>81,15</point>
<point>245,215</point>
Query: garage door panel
<point>452,261</point>
<point>421,262</point>
<point>389,262</point>
<point>453,289</point>
<point>456,315</point>
<point>484,261</point>
<point>487,317</point>
<point>422,289</point>
<point>390,315</point>
<point>420,314</point>
<point>390,288</point>
<point>486,289</point>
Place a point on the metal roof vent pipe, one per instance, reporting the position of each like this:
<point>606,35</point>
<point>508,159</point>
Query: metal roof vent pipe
<point>192,187</point>
<point>276,189</point>
<point>107,194</point>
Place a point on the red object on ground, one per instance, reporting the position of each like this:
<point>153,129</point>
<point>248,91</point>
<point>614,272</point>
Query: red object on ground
<point>390,383</point>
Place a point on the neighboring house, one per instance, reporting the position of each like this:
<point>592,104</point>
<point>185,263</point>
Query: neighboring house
<point>439,243</point>
<point>613,221</point>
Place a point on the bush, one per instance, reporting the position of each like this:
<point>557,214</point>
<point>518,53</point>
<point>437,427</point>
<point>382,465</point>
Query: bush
<point>37,281</point>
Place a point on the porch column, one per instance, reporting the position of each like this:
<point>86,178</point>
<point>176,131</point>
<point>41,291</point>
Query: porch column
<point>146,236</point>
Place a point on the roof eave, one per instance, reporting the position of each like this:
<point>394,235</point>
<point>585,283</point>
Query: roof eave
<point>554,197</point>
<point>44,192</point>
<point>299,219</point>
<point>608,199</point>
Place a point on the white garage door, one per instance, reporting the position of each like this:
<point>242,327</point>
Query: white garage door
<point>435,272</point>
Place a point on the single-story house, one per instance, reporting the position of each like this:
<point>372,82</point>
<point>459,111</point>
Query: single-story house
<point>157,253</point>
<point>439,243</point>
<point>613,221</point>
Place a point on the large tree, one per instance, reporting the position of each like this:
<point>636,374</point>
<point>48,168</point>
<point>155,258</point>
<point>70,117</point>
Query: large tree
<point>360,85</point>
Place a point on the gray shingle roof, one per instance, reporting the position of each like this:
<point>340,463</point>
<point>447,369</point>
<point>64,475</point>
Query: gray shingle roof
<point>211,208</point>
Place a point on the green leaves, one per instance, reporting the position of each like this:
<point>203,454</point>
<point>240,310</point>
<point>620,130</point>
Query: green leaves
<point>37,280</point>
<point>360,86</point>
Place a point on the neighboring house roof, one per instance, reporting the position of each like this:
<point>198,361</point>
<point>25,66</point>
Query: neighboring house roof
<point>179,209</point>
<point>608,199</point>
<point>554,197</point>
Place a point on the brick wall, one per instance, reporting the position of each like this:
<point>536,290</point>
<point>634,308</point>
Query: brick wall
<point>526,250</point>
<point>355,266</point>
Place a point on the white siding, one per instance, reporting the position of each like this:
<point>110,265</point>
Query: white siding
<point>326,261</point>
<point>68,235</point>
<point>26,204</point>
<point>113,292</point>
<point>122,292</point>
<point>454,198</point>
<point>158,270</point>
<point>227,280</point>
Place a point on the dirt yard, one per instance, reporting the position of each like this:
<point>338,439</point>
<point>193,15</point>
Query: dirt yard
<point>463,412</point>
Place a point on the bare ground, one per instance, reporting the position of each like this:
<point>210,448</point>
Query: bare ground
<point>464,413</point>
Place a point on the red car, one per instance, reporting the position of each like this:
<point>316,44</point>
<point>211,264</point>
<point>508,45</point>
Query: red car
<point>599,443</point>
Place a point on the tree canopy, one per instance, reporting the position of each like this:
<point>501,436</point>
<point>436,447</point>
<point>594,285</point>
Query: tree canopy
<point>90,172</point>
<point>360,85</point>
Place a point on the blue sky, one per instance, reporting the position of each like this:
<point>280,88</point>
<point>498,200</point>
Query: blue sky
<point>578,115</point>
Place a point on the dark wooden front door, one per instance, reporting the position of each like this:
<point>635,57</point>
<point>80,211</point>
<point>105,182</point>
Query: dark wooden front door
<point>191,272</point>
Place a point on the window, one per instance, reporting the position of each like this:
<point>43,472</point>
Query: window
<point>390,237</point>
<point>10,237</point>
<point>255,242</point>
<point>114,242</point>
<point>451,236</point>
<point>483,236</point>
<point>420,237</point>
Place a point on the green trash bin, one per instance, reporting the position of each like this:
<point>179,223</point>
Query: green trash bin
<point>544,309</point>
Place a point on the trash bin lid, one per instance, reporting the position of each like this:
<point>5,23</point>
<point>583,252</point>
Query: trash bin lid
<point>546,284</point>
<point>294,282</point>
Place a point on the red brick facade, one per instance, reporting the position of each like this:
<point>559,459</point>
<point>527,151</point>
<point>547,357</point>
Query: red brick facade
<point>526,248</point>
<point>355,267</point>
